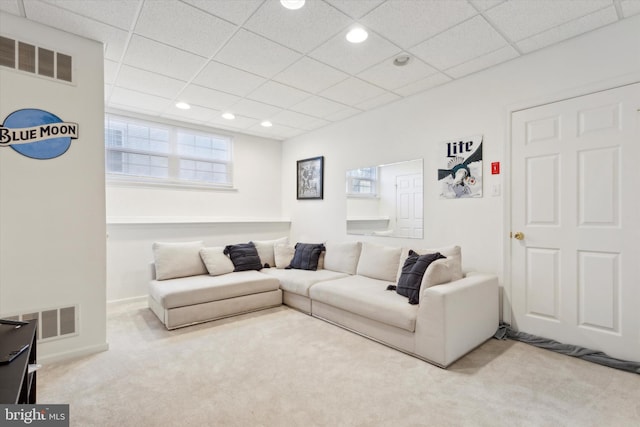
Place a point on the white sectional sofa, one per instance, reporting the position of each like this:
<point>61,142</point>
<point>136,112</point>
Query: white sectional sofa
<point>455,313</point>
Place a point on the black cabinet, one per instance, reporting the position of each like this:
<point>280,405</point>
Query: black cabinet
<point>17,383</point>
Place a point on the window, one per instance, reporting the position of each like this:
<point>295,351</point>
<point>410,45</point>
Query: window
<point>137,150</point>
<point>362,182</point>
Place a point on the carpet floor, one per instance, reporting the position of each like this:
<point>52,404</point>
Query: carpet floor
<point>279,367</point>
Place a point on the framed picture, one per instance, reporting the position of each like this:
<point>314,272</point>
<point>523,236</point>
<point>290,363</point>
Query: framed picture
<point>461,172</point>
<point>310,176</point>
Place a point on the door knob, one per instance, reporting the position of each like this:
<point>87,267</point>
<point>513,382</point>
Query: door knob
<point>519,235</point>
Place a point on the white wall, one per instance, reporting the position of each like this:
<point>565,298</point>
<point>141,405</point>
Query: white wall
<point>478,104</point>
<point>257,171</point>
<point>52,212</point>
<point>139,216</point>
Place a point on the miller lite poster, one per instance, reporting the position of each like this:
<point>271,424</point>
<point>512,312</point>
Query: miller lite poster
<point>460,175</point>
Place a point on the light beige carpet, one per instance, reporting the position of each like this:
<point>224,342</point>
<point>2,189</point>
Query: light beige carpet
<point>280,367</point>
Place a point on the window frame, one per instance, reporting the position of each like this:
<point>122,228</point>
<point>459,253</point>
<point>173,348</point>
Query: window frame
<point>173,155</point>
<point>373,180</point>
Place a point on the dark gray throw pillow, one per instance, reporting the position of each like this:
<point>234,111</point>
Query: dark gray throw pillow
<point>306,256</point>
<point>412,273</point>
<point>244,256</point>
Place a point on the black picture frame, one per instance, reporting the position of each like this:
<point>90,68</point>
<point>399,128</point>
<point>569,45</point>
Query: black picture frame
<point>310,178</point>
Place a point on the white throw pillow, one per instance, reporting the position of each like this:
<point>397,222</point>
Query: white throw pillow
<point>283,254</point>
<point>379,262</point>
<point>216,261</point>
<point>454,259</point>
<point>439,271</point>
<point>265,250</point>
<point>173,260</point>
<point>342,257</point>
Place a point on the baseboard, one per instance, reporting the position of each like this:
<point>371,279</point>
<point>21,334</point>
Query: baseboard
<point>126,300</point>
<point>85,351</point>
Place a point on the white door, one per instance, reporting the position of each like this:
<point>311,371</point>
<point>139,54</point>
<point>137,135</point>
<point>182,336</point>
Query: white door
<point>409,206</point>
<point>575,199</point>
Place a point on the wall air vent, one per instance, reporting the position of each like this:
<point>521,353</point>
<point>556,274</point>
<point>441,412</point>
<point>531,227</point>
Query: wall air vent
<point>53,323</point>
<point>36,60</point>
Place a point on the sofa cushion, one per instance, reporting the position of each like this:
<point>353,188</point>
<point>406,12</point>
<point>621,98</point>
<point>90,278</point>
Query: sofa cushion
<point>342,257</point>
<point>306,256</point>
<point>439,271</point>
<point>204,288</point>
<point>244,256</point>
<point>283,254</point>
<point>265,250</point>
<point>379,262</point>
<point>413,271</point>
<point>173,260</point>
<point>216,261</point>
<point>368,298</point>
<point>453,261</point>
<point>299,281</point>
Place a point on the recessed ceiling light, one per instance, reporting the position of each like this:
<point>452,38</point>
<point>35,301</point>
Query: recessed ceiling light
<point>357,35</point>
<point>292,4</point>
<point>401,60</point>
<point>229,116</point>
<point>183,105</point>
<point>266,124</point>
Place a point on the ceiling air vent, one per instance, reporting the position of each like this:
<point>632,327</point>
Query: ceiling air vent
<point>33,59</point>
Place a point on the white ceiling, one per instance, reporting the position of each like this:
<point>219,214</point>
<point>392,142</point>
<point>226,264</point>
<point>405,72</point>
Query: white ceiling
<point>263,62</point>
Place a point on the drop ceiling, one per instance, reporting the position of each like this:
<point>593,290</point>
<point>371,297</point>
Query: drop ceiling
<point>261,61</point>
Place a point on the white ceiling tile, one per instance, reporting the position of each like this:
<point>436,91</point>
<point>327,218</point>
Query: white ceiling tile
<point>115,39</point>
<point>459,44</point>
<point>258,110</point>
<point>423,84</point>
<point>228,79</point>
<point>238,123</point>
<point>342,114</point>
<point>278,94</point>
<point>148,82</point>
<point>390,76</point>
<point>303,29</point>
<point>107,92</point>
<point>157,57</point>
<point>486,4</point>
<point>183,26</point>
<point>10,6</point>
<point>130,98</point>
<point>354,58</point>
<point>378,101</point>
<point>310,75</point>
<point>256,54</point>
<point>568,30</point>
<point>521,19</point>
<point>352,91</point>
<point>276,131</point>
<point>298,120</point>
<point>134,109</point>
<point>236,11</point>
<point>318,107</point>
<point>193,114</point>
<point>630,7</point>
<point>407,22</point>
<point>482,62</point>
<point>205,97</point>
<point>355,9</point>
<point>119,13</point>
<point>110,69</point>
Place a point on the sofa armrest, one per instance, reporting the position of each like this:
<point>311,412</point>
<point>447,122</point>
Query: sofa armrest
<point>152,270</point>
<point>456,317</point>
